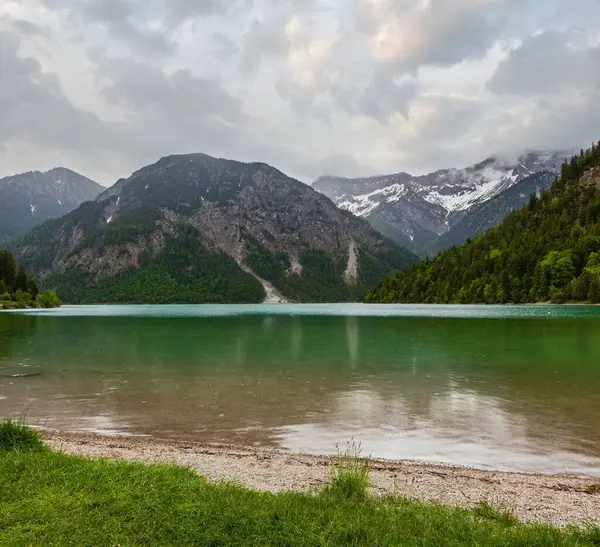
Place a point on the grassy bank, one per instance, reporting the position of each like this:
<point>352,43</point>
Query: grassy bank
<point>47,498</point>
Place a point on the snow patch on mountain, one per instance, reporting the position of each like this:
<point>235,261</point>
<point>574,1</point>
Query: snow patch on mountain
<point>363,205</point>
<point>453,189</point>
<point>478,192</point>
<point>455,194</point>
<point>415,210</point>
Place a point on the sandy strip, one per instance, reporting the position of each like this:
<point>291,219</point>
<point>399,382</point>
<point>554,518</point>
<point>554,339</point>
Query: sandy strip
<point>554,499</point>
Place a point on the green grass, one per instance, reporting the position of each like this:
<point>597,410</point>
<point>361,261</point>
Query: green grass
<point>15,436</point>
<point>349,478</point>
<point>47,498</point>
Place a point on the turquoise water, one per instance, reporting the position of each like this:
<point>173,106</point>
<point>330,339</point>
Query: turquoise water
<point>340,310</point>
<point>504,387</point>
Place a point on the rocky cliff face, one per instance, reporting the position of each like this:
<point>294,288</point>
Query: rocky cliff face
<point>31,198</point>
<point>249,218</point>
<point>416,211</point>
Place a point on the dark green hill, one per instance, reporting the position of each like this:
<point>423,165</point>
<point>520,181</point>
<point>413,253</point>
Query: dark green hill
<point>548,250</point>
<point>192,229</point>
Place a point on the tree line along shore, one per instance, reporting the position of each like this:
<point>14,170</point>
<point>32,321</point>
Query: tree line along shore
<point>18,290</point>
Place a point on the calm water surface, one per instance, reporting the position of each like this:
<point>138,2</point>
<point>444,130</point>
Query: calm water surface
<point>513,388</point>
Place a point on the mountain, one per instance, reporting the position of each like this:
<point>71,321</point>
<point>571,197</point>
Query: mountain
<point>31,198</point>
<point>486,215</point>
<point>415,211</point>
<point>193,228</point>
<point>548,250</point>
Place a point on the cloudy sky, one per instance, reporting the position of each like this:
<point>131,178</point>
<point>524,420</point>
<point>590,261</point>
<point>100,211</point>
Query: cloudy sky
<point>348,87</point>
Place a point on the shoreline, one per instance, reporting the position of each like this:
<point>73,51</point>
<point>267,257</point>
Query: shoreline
<point>15,306</point>
<point>558,500</point>
<point>287,302</point>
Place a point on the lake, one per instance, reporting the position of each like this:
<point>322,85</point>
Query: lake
<point>512,388</point>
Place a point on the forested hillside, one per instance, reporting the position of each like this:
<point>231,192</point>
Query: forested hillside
<point>548,250</point>
<point>18,290</point>
<point>483,216</point>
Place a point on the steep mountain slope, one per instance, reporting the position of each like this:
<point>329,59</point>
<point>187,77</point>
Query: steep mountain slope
<point>194,228</point>
<point>31,198</point>
<point>416,211</point>
<point>550,249</point>
<point>486,215</point>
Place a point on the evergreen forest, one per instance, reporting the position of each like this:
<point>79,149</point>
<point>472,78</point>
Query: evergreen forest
<point>185,272</point>
<point>18,290</point>
<point>547,251</point>
<point>322,278</point>
<point>188,272</point>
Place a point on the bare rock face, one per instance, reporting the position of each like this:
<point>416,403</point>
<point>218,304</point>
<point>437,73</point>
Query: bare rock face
<point>174,217</point>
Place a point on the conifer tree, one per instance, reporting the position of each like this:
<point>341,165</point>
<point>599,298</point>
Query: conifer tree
<point>32,288</point>
<point>21,281</point>
<point>7,268</point>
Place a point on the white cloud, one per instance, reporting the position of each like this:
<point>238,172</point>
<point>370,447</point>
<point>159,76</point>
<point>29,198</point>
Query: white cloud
<point>346,86</point>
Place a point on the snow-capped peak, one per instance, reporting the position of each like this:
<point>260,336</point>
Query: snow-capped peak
<point>452,189</point>
<point>474,187</point>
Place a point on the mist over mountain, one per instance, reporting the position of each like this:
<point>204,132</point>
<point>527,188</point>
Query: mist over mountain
<point>415,211</point>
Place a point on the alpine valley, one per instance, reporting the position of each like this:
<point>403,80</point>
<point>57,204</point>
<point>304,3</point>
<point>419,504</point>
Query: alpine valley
<point>193,228</point>
<point>431,212</point>
<point>31,198</point>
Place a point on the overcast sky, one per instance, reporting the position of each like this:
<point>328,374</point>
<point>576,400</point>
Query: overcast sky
<point>347,87</point>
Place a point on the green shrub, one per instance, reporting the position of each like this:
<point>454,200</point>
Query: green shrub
<point>47,299</point>
<point>21,297</point>
<point>17,436</point>
<point>349,478</point>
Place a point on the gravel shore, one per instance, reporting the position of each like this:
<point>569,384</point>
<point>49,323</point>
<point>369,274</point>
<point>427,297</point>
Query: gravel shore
<point>558,500</point>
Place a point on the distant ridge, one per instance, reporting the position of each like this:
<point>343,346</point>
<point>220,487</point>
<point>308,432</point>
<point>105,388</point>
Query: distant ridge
<point>30,198</point>
<point>417,211</point>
